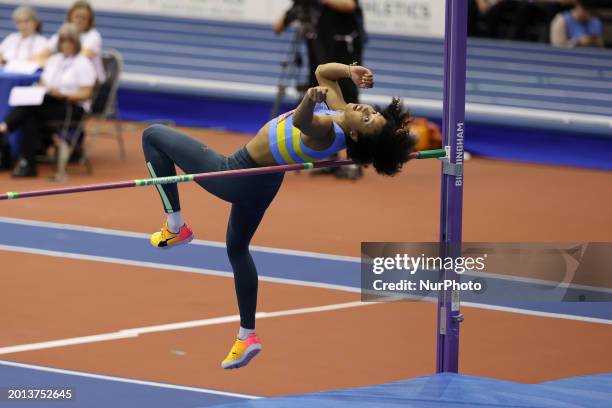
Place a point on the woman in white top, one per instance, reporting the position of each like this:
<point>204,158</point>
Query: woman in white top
<point>27,41</point>
<point>69,78</point>
<point>82,16</point>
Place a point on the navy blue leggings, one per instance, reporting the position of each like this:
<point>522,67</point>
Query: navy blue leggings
<point>250,197</point>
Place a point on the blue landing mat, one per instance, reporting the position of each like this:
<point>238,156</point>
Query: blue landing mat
<point>452,390</point>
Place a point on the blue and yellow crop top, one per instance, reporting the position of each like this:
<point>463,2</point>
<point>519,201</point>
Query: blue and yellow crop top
<point>286,144</point>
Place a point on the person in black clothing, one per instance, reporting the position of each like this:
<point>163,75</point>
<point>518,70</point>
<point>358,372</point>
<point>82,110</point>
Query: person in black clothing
<point>334,32</point>
<point>518,20</point>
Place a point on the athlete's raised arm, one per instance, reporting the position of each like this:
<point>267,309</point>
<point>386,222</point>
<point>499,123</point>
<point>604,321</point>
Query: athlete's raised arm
<point>329,74</point>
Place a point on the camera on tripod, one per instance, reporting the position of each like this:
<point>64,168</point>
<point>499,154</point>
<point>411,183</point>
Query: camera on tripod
<point>306,13</point>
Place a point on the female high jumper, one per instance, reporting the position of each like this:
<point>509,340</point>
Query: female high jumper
<point>321,125</point>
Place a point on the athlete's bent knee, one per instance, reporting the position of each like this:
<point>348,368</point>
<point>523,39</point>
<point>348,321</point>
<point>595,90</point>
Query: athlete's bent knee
<point>151,132</point>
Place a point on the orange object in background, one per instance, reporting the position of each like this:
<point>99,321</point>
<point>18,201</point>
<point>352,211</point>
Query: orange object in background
<point>429,134</point>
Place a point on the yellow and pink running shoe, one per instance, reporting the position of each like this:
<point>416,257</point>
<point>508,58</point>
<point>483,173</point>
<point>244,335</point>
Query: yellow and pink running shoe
<point>165,239</point>
<point>242,352</point>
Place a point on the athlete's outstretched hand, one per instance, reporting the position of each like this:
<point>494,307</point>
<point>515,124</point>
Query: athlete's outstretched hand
<point>317,94</point>
<point>361,76</point>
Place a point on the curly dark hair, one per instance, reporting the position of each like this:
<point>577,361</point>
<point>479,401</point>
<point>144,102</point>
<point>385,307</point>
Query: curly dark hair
<point>388,149</point>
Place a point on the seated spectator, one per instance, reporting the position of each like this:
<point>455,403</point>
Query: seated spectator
<point>82,16</point>
<point>69,78</point>
<point>577,27</point>
<point>27,41</point>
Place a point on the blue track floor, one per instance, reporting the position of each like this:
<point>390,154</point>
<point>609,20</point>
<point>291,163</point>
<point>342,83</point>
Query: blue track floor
<point>93,391</point>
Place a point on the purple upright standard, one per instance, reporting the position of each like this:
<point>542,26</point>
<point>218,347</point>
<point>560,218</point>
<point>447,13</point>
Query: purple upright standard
<point>449,315</point>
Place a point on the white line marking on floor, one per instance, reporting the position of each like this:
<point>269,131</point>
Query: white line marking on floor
<point>216,244</point>
<point>131,234</point>
<point>124,380</point>
<point>537,313</point>
<point>135,332</point>
<point>154,265</point>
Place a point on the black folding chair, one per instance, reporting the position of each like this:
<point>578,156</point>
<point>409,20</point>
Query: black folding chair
<point>105,106</point>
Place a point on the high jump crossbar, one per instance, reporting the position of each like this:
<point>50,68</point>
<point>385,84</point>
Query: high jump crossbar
<point>423,154</point>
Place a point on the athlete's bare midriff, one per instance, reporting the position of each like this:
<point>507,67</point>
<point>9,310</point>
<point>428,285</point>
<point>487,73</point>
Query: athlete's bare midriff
<point>259,148</point>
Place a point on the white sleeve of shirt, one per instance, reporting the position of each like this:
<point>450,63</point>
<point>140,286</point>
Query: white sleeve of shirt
<point>92,40</point>
<point>52,43</point>
<point>40,43</point>
<point>7,42</point>
<point>3,48</point>
<point>86,72</point>
<point>49,70</point>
